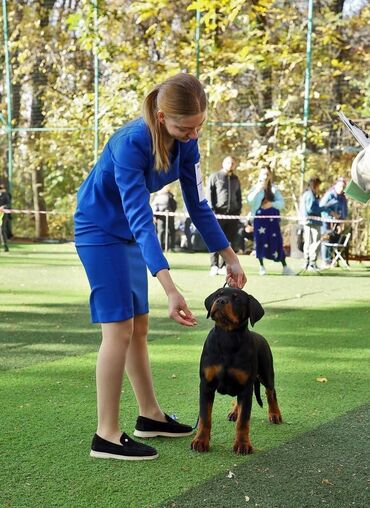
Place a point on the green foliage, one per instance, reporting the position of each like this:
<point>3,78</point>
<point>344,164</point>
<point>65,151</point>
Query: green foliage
<point>252,60</point>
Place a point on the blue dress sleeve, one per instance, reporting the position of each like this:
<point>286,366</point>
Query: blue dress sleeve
<point>130,161</point>
<point>196,203</point>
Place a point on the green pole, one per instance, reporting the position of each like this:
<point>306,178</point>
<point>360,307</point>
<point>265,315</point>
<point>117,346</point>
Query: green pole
<point>96,82</point>
<point>306,104</point>
<point>9,97</point>
<point>197,42</point>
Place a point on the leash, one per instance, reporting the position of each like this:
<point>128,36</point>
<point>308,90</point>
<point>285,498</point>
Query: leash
<point>174,417</point>
<point>196,423</point>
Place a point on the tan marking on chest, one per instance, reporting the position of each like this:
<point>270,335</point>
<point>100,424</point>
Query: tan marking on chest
<point>211,372</point>
<point>240,375</point>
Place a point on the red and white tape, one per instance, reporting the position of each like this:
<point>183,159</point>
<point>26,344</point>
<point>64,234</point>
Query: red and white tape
<point>292,218</point>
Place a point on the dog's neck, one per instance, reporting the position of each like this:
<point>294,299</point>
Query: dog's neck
<point>240,328</point>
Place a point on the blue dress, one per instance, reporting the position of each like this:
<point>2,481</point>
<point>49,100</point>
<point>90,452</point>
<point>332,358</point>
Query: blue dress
<point>115,197</point>
<point>267,235</point>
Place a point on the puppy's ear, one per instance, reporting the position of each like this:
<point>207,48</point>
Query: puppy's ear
<point>208,302</point>
<point>256,311</point>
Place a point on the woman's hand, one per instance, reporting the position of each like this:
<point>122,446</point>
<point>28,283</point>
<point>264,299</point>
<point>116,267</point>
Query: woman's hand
<point>235,276</point>
<point>179,311</point>
<point>177,307</point>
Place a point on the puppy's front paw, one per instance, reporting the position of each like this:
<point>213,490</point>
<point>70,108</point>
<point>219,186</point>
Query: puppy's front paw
<point>243,447</point>
<point>200,445</point>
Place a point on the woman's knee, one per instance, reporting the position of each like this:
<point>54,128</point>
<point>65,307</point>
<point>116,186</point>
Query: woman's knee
<point>119,332</point>
<point>141,326</point>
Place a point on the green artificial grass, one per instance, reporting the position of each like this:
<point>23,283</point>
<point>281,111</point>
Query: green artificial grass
<point>316,326</point>
<point>332,471</point>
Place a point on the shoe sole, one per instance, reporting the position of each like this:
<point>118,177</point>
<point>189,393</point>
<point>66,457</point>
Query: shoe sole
<point>146,434</point>
<point>104,455</point>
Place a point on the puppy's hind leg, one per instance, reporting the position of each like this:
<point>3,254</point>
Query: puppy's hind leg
<point>266,376</point>
<point>233,414</point>
<point>274,411</point>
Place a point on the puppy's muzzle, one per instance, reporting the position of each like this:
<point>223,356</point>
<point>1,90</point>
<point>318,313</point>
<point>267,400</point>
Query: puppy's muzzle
<point>223,314</point>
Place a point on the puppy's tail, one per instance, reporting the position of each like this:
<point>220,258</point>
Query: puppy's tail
<point>257,392</point>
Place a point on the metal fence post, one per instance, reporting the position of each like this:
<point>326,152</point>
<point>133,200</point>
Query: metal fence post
<point>9,97</point>
<point>306,104</point>
<point>96,83</point>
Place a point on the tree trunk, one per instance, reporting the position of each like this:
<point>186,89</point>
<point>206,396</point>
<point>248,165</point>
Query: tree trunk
<point>264,91</point>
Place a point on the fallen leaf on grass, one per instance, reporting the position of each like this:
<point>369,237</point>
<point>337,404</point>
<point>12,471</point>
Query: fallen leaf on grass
<point>327,482</point>
<point>322,379</point>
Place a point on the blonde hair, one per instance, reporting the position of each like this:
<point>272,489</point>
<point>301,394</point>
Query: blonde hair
<point>178,96</point>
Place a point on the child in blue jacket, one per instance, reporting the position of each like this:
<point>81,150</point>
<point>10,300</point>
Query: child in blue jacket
<point>116,241</point>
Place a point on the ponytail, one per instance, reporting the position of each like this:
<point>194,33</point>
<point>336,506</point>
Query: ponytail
<point>150,108</point>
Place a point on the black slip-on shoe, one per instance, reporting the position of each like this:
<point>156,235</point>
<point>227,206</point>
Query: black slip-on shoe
<point>145,427</point>
<point>127,450</point>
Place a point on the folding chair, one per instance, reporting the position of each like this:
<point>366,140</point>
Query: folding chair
<point>338,248</point>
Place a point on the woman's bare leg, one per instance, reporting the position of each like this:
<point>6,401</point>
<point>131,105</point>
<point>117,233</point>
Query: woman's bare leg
<point>139,372</point>
<point>109,374</point>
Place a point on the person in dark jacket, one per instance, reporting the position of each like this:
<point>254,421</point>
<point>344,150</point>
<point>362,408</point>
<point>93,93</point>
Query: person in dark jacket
<point>4,203</point>
<point>164,201</point>
<point>225,198</point>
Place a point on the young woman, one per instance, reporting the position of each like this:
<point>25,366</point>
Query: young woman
<point>116,242</point>
<point>266,199</point>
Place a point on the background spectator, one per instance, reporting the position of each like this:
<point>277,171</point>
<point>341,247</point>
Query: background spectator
<point>336,202</point>
<point>165,201</point>
<point>310,207</point>
<point>266,199</point>
<point>224,197</point>
<point>4,203</point>
<point>245,238</point>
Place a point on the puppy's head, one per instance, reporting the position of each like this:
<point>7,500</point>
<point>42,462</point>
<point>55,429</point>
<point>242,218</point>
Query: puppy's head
<point>230,308</point>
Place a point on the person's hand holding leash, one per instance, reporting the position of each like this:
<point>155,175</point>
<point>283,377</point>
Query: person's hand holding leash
<point>235,276</point>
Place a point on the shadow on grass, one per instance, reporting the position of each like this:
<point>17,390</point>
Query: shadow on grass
<point>52,331</point>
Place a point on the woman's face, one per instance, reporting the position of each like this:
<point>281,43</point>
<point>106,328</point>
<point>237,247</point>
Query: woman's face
<point>183,128</point>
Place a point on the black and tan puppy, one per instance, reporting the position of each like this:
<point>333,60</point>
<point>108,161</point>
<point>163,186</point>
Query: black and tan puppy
<point>234,361</point>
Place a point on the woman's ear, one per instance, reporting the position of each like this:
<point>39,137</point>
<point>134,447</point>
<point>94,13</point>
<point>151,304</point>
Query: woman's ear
<point>160,116</point>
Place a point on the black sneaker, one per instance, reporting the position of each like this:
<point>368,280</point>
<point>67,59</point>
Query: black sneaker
<point>145,427</point>
<point>128,450</point>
